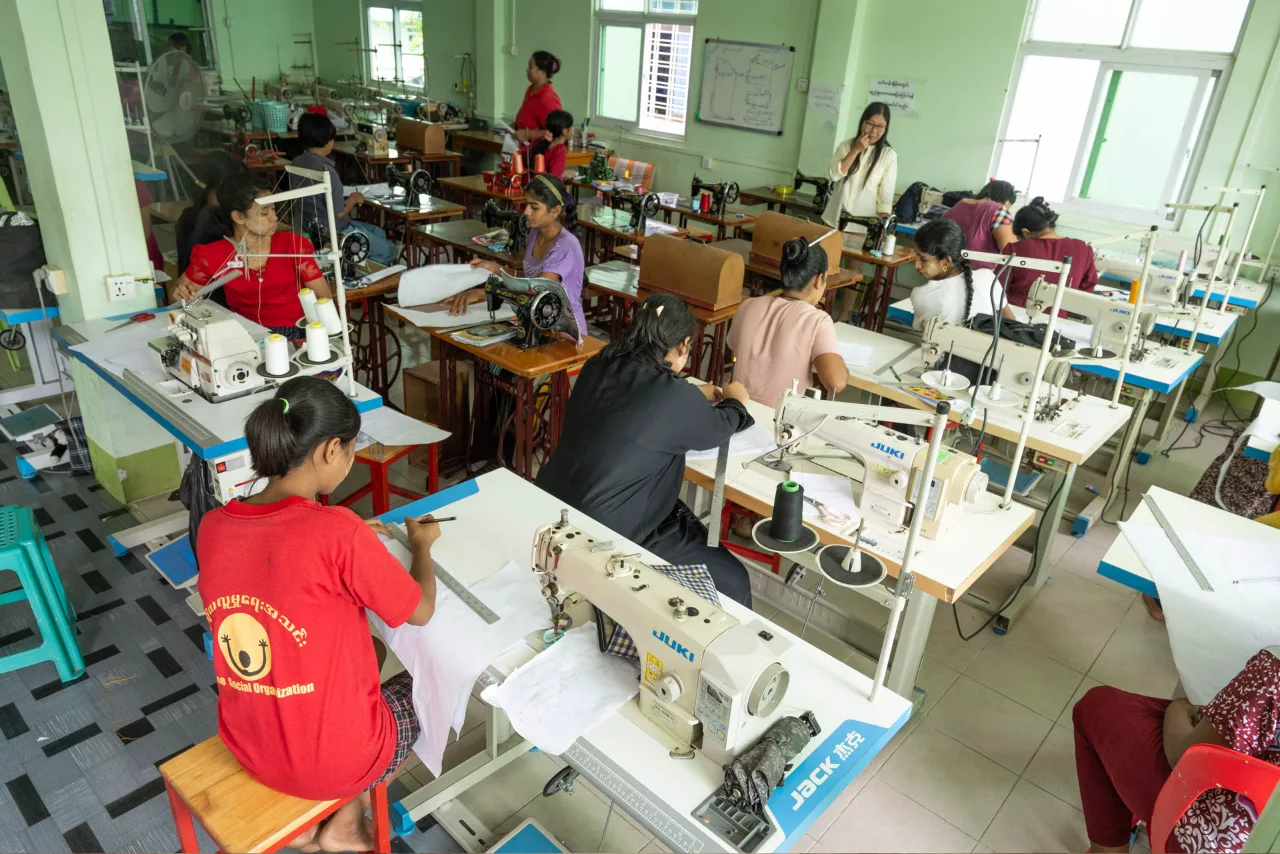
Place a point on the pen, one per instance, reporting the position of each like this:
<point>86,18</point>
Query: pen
<point>1256,580</point>
<point>423,519</point>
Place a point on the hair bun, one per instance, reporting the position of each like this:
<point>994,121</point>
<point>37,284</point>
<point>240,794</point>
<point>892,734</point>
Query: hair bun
<point>1039,202</point>
<point>795,250</point>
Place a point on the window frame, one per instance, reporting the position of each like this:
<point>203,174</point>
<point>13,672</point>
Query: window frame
<point>638,20</point>
<point>1210,67</point>
<point>368,49</point>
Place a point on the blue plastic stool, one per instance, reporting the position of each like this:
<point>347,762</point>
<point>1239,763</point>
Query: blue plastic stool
<point>23,551</point>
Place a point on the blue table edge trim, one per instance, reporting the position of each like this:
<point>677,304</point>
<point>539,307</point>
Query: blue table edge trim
<point>15,316</point>
<point>1128,579</point>
<point>431,503</point>
<point>907,318</point>
<point>1257,453</point>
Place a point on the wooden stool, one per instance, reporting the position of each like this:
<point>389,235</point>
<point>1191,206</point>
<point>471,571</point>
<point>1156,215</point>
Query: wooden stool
<point>239,813</point>
<point>378,458</point>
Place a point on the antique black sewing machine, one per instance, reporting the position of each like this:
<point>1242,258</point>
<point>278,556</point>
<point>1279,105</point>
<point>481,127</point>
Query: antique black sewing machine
<point>878,229</point>
<point>598,169</point>
<point>513,222</point>
<point>821,187</point>
<point>353,248</point>
<point>416,183</point>
<point>722,193</point>
<point>542,308</point>
<point>643,206</point>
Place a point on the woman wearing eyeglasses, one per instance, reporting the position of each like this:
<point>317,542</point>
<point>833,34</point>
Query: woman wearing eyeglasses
<point>863,170</point>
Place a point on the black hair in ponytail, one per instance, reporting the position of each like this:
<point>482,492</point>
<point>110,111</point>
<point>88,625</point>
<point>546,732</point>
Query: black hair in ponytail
<point>1034,217</point>
<point>546,62</point>
<point>558,121</point>
<point>943,238</point>
<point>998,191</point>
<point>305,413</point>
<point>658,324</point>
<point>237,192</point>
<point>800,263</point>
<point>550,191</point>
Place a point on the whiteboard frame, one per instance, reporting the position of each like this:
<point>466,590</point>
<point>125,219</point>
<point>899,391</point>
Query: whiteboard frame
<point>786,102</point>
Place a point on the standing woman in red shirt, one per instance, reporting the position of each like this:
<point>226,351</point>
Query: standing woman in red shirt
<point>540,99</point>
<point>1037,239</point>
<point>274,265</point>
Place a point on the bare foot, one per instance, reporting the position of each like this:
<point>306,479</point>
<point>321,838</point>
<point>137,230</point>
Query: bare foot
<point>1153,607</point>
<point>348,830</point>
<point>305,841</point>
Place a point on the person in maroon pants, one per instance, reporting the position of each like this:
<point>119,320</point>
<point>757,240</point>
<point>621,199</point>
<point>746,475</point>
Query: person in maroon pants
<point>1127,745</point>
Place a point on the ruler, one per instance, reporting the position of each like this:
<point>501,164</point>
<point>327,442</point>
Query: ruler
<point>455,586</point>
<point>1192,566</point>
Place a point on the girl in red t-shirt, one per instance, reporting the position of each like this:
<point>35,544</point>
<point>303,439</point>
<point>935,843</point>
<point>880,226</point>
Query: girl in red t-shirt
<point>286,584</point>
<point>552,144</point>
<point>274,265</point>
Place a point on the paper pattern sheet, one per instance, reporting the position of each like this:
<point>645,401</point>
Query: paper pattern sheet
<point>438,282</point>
<point>442,319</point>
<point>565,690</point>
<point>855,354</point>
<point>448,654</point>
<point>389,427</point>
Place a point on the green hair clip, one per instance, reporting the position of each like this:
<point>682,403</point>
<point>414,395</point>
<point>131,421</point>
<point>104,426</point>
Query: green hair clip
<point>286,405</point>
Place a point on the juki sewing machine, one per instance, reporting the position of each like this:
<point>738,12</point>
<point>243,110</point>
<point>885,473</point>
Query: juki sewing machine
<point>722,193</point>
<point>821,187</point>
<point>513,222</point>
<point>212,352</point>
<point>372,140</point>
<point>1109,319</point>
<point>353,248</point>
<point>542,308</point>
<point>894,462</point>
<point>709,681</point>
<point>417,183</point>
<point>642,207</point>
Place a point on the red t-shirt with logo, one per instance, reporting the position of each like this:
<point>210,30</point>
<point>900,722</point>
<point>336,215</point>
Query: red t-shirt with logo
<point>285,587</point>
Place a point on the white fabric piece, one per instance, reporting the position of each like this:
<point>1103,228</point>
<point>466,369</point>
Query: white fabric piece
<point>438,282</point>
<point>755,440</point>
<point>442,319</point>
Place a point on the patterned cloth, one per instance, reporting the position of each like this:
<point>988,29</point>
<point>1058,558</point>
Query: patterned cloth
<point>694,577</point>
<point>1002,217</point>
<point>1245,489</point>
<point>1247,714</point>
<point>398,692</point>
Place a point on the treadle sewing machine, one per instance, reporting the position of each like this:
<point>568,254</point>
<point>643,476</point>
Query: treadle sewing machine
<point>542,308</point>
<point>413,184</point>
<point>1109,320</point>
<point>642,206</point>
<point>211,351</point>
<point>512,222</point>
<point>722,193</point>
<point>353,248</point>
<point>821,187</point>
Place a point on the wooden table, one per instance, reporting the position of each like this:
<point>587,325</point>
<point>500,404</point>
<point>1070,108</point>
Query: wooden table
<point>614,226</point>
<point>734,217</point>
<point>426,161</point>
<point>262,167</point>
<point>876,296</point>
<point>761,271</point>
<point>767,196</point>
<point>521,372</point>
<point>407,216</point>
<point>456,236</point>
<point>251,135</point>
<point>370,165</point>
<point>466,187</point>
<point>491,141</point>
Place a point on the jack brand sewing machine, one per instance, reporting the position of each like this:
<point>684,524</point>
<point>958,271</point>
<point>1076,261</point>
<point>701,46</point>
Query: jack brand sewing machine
<point>212,352</point>
<point>414,184</point>
<point>722,193</point>
<point>513,222</point>
<point>821,187</point>
<point>643,207</point>
<point>542,308</point>
<point>372,140</point>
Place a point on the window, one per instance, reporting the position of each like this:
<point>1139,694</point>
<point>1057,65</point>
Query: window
<point>644,51</point>
<point>1111,99</point>
<point>393,45</point>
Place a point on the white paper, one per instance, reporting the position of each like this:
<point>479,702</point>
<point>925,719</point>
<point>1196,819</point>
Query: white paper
<point>372,192</point>
<point>834,491</point>
<point>447,655</point>
<point>652,227</point>
<point>437,282</point>
<point>442,319</point>
<point>855,354</point>
<point>377,276</point>
<point>615,275</point>
<point>755,440</point>
<point>900,95</point>
<point>825,100</point>
<point>389,427</point>
<point>565,690</point>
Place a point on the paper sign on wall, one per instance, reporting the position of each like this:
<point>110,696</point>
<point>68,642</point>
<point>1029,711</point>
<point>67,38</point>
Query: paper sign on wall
<point>825,100</point>
<point>900,95</point>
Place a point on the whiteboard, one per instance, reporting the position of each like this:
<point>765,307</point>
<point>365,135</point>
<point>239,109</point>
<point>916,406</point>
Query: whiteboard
<point>744,85</point>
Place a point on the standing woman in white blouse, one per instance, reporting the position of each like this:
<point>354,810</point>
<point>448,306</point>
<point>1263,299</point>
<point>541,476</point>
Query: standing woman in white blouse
<point>863,170</point>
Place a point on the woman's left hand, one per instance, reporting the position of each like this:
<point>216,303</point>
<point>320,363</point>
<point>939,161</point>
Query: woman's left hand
<point>378,527</point>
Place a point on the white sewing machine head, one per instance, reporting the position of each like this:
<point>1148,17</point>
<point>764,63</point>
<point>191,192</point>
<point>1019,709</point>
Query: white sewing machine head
<point>1109,319</point>
<point>893,462</point>
<point>707,680</point>
<point>214,353</point>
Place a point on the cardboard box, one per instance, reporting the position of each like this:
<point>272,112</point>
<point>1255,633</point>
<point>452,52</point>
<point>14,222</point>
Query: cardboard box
<point>700,275</point>
<point>773,229</point>
<point>419,136</point>
<point>422,401</point>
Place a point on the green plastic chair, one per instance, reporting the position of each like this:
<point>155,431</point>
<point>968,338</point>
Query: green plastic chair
<point>23,551</point>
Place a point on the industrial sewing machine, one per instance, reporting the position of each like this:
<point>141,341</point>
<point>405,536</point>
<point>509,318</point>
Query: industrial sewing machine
<point>643,206</point>
<point>709,681</point>
<point>598,169</point>
<point>894,462</point>
<point>723,193</point>
<point>211,351</point>
<point>372,140</point>
<point>353,248</point>
<point>821,187</point>
<point>414,184</point>
<point>513,222</point>
<point>542,308</point>
<point>1109,319</point>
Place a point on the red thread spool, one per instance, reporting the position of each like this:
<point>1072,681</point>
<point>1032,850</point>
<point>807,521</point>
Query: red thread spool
<point>517,163</point>
<point>539,163</point>
<point>704,202</point>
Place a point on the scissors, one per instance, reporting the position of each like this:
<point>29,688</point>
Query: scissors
<point>141,317</point>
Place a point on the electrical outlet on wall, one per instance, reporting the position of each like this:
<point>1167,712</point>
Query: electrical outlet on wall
<point>708,163</point>
<point>120,288</point>
<point>802,84</point>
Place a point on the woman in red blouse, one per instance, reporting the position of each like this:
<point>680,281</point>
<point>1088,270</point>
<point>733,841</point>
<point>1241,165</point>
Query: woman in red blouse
<point>1033,225</point>
<point>540,99</point>
<point>275,265</point>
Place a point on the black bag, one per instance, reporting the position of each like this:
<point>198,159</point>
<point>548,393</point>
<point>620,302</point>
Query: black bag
<point>23,254</point>
<point>197,495</point>
<point>908,207</point>
<point>950,197</point>
<point>1010,330</point>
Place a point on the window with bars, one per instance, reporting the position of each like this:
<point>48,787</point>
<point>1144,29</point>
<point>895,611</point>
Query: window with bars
<point>644,51</point>
<point>1111,101</point>
<point>393,41</point>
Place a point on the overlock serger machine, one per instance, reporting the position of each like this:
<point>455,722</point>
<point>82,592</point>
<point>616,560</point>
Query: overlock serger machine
<point>212,352</point>
<point>708,680</point>
<point>542,308</point>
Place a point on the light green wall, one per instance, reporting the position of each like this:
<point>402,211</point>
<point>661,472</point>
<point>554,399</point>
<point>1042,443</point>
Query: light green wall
<point>260,41</point>
<point>337,21</point>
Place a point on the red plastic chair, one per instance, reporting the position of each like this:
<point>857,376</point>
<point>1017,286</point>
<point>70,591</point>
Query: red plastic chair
<point>1201,768</point>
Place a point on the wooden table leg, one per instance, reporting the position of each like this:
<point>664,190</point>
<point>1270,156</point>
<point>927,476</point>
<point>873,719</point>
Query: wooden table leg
<point>719,337</point>
<point>559,399</point>
<point>523,422</point>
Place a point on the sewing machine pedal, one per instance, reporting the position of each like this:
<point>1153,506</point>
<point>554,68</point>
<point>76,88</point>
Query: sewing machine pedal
<point>998,474</point>
<point>561,781</point>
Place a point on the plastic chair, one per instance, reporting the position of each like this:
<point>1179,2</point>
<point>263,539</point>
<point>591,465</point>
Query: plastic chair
<point>641,172</point>
<point>1201,768</point>
<point>24,552</point>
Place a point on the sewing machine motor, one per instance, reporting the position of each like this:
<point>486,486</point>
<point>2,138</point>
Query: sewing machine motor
<point>414,184</point>
<point>707,680</point>
<point>513,222</point>
<point>722,193</point>
<point>213,353</point>
<point>821,187</point>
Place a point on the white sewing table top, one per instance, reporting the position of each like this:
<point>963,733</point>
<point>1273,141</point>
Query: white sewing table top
<point>1260,445</point>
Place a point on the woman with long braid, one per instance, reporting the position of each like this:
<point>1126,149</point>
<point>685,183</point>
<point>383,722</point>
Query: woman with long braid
<point>955,291</point>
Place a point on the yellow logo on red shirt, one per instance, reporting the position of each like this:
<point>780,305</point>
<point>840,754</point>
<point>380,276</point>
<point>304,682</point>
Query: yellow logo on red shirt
<point>245,646</point>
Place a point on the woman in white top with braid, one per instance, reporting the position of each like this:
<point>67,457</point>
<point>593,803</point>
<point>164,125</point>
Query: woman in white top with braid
<point>863,170</point>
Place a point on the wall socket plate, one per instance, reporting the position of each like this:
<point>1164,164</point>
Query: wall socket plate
<point>120,288</point>
<point>708,163</point>
<point>802,84</point>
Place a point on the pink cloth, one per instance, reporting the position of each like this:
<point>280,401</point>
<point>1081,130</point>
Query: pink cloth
<point>775,340</point>
<point>975,219</point>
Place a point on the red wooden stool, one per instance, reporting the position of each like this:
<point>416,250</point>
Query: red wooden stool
<point>379,458</point>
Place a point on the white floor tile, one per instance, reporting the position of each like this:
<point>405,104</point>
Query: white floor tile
<point>935,678</point>
<point>656,847</point>
<point>1054,766</point>
<point>948,779</point>
<point>498,797</point>
<point>1059,634</point>
<point>1033,820</point>
<point>1138,629</point>
<point>1090,603</point>
<point>883,819</point>
<point>576,820</point>
<point>995,726</point>
<point>1081,690</point>
<point>1132,668</point>
<point>1082,562</point>
<point>1022,674</point>
<point>946,646</point>
<point>806,844</point>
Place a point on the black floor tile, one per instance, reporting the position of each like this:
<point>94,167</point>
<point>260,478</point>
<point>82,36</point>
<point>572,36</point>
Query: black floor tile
<point>80,839</point>
<point>53,535</point>
<point>133,563</point>
<point>179,751</point>
<point>41,487</point>
<point>27,799</point>
<point>100,655</point>
<point>50,688</point>
<point>196,633</point>
<point>170,699</point>
<point>70,740</point>
<point>101,609</point>
<point>164,662</point>
<point>75,502</point>
<point>136,798</point>
<point>42,517</point>
<point>96,582</point>
<point>134,731</point>
<point>11,721</point>
<point>149,607</point>
<point>90,539</point>
<point>23,634</point>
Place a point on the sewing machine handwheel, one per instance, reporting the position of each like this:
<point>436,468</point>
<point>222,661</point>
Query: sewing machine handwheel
<point>561,781</point>
<point>731,192</point>
<point>650,205</point>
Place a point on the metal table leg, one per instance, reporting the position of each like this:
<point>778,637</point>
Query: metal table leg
<point>916,621</point>
<point>1165,428</point>
<point>1095,508</point>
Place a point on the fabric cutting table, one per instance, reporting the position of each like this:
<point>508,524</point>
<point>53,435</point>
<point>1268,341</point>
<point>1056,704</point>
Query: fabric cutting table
<point>626,757</point>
